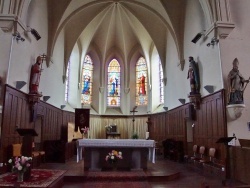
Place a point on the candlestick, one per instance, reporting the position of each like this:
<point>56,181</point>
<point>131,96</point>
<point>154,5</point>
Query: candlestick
<point>147,135</point>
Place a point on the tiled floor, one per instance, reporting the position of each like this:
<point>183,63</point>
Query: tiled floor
<point>189,177</point>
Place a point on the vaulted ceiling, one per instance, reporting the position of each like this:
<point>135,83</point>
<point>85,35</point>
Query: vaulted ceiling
<point>116,28</point>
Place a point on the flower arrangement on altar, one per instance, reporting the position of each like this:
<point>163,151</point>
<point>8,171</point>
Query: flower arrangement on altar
<point>85,132</point>
<point>108,128</point>
<point>20,164</point>
<point>113,156</point>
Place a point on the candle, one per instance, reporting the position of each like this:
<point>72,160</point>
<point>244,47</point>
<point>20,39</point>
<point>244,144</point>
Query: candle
<point>147,135</point>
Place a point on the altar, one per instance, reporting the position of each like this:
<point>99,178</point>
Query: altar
<point>135,152</point>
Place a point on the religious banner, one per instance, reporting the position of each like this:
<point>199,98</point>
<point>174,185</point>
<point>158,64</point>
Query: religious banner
<point>81,119</point>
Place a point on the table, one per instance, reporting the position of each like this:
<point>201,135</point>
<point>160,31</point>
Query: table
<point>136,152</point>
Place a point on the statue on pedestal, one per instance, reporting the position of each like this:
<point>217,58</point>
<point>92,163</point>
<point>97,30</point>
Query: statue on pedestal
<point>236,84</point>
<point>35,74</point>
<point>193,76</point>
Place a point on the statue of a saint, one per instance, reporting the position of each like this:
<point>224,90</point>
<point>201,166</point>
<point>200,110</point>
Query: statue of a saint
<point>35,76</point>
<point>236,84</point>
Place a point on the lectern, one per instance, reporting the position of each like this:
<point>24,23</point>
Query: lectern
<point>27,135</point>
<point>225,141</point>
<point>26,149</point>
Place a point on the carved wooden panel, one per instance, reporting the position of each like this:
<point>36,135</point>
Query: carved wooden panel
<point>210,122</point>
<point>17,114</point>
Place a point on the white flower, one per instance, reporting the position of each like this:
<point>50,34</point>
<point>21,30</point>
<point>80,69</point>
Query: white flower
<point>20,167</point>
<point>112,157</point>
<point>10,161</point>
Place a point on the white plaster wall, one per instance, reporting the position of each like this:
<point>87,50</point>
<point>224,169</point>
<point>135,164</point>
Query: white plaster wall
<point>236,45</point>
<point>207,58</point>
<point>23,54</point>
<point>5,46</point>
<point>96,103</point>
<point>176,78</point>
<point>54,83</point>
<point>74,100</point>
<point>155,99</point>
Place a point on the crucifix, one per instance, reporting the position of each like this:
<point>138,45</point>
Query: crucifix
<point>133,111</point>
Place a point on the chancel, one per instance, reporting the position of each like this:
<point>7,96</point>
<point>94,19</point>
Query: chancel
<point>130,81</point>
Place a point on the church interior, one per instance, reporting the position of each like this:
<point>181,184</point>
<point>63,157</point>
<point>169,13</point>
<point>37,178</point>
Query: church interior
<point>159,83</point>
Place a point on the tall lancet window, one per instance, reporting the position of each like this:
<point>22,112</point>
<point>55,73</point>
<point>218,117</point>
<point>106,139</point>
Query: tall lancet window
<point>141,82</point>
<point>113,89</point>
<point>161,82</point>
<point>87,80</point>
<point>66,96</point>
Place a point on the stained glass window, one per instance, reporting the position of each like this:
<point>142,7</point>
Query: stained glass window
<point>113,89</point>
<point>87,80</point>
<point>161,83</point>
<point>66,96</point>
<point>141,82</point>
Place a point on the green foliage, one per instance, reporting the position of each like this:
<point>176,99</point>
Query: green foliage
<point>135,136</point>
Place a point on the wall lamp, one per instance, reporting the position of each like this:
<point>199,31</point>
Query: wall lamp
<point>198,36</point>
<point>214,41</point>
<point>63,106</point>
<point>183,101</point>
<point>34,33</point>
<point>45,98</point>
<point>209,88</point>
<point>20,84</point>
<point>18,37</point>
<point>165,108</point>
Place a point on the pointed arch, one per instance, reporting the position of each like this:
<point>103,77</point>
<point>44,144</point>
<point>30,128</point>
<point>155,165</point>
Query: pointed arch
<point>114,86</point>
<point>87,80</point>
<point>161,82</point>
<point>66,94</point>
<point>141,82</point>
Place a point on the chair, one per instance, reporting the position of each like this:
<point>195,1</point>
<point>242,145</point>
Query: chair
<point>158,148</point>
<point>16,150</point>
<point>39,153</point>
<point>177,152</point>
<point>168,146</point>
<point>195,149</point>
<point>211,155</point>
<point>36,158</point>
<point>200,154</point>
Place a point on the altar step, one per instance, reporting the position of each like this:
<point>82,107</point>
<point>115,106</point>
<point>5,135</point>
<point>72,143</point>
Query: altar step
<point>162,177</point>
<point>122,176</point>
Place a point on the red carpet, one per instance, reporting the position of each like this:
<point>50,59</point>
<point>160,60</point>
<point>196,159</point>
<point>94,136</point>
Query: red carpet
<point>112,179</point>
<point>39,178</point>
<point>115,184</point>
<point>116,175</point>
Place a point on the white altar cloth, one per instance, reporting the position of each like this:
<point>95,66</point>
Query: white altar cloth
<point>128,143</point>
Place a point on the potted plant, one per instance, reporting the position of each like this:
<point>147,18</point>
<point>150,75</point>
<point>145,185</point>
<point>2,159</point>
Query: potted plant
<point>135,136</point>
